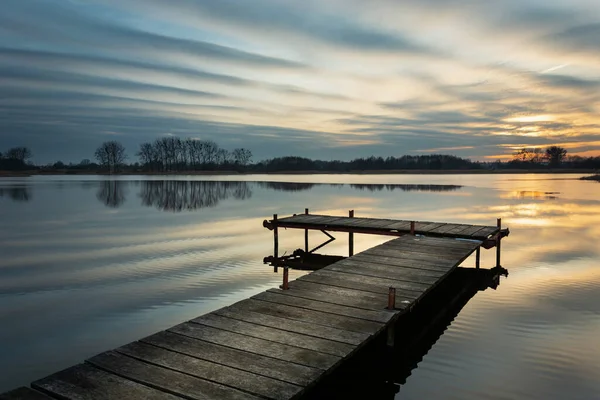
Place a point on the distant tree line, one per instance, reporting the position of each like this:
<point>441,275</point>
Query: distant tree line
<point>422,162</point>
<point>173,154</point>
<point>15,159</point>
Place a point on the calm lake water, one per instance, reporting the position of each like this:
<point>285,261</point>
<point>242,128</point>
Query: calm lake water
<point>88,264</point>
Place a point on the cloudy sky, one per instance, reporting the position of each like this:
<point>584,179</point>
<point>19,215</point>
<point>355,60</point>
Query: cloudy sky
<point>317,78</point>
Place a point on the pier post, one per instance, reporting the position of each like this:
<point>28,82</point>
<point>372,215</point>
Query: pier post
<point>478,258</point>
<point>412,228</point>
<point>351,237</point>
<point>306,234</point>
<point>275,242</point>
<point>499,224</point>
<point>391,298</point>
<point>286,277</point>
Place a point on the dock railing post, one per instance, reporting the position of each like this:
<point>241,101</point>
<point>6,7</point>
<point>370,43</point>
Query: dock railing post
<point>306,234</point>
<point>275,242</point>
<point>478,257</point>
<point>351,237</point>
<point>412,228</point>
<point>499,224</point>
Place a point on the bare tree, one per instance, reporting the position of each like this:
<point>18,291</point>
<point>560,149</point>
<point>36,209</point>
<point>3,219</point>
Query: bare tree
<point>555,155</point>
<point>111,155</point>
<point>242,156</point>
<point>19,154</point>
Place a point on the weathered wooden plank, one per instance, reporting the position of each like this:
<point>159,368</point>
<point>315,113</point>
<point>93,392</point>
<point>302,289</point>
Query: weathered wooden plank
<point>355,327</point>
<point>83,382</point>
<point>434,246</point>
<point>387,271</point>
<point>440,230</point>
<point>431,241</point>
<point>165,379</point>
<point>336,309</point>
<point>432,265</point>
<point>362,304</point>
<point>406,287</point>
<point>485,232</point>
<point>255,363</point>
<point>275,335</point>
<point>375,298</point>
<point>471,230</point>
<point>362,282</point>
<point>23,393</point>
<point>251,313</point>
<point>232,377</point>
<point>411,273</point>
<point>437,253</point>
<point>309,358</point>
<point>425,227</point>
<point>411,255</point>
<point>400,226</point>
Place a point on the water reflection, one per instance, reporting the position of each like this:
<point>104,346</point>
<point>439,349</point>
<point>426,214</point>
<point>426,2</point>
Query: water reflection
<point>16,193</point>
<point>379,371</point>
<point>191,195</point>
<point>111,193</point>
<point>407,188</point>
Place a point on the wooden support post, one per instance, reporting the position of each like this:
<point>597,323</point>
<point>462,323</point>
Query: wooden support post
<point>412,228</point>
<point>275,242</point>
<point>391,299</point>
<point>499,224</point>
<point>286,277</point>
<point>478,257</point>
<point>391,335</point>
<point>351,237</point>
<point>306,234</point>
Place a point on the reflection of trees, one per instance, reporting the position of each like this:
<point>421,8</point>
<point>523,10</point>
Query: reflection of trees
<point>286,186</point>
<point>191,195</point>
<point>16,193</point>
<point>407,188</point>
<point>111,193</point>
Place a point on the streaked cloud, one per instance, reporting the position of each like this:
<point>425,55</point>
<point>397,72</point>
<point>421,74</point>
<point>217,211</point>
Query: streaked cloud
<point>328,79</point>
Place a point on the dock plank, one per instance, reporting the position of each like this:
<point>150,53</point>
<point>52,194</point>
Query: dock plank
<point>388,271</point>
<point>248,382</point>
<point>360,282</point>
<point>356,326</point>
<point>431,265</point>
<point>255,363</point>
<point>364,304</point>
<point>276,335</point>
<point>257,315</point>
<point>165,379</point>
<point>276,297</point>
<point>85,382</point>
<point>297,355</point>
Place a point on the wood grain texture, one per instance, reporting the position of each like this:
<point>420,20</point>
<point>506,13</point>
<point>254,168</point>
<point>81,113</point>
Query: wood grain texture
<point>245,381</point>
<point>255,363</point>
<point>85,382</point>
<point>164,379</point>
<point>24,393</point>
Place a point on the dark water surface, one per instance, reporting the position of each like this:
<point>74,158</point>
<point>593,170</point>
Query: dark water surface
<point>88,264</point>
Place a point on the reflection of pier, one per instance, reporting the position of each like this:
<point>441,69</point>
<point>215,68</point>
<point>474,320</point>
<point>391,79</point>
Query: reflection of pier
<point>286,343</point>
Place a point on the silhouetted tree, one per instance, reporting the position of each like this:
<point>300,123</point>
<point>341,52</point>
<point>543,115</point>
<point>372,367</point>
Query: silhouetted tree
<point>242,156</point>
<point>111,155</point>
<point>555,155</point>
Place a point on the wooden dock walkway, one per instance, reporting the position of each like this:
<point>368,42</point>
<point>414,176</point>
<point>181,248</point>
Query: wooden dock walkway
<point>277,344</point>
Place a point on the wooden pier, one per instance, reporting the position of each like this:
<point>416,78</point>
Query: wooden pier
<point>281,343</point>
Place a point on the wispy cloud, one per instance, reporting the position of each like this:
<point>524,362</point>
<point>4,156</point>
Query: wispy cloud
<point>335,79</point>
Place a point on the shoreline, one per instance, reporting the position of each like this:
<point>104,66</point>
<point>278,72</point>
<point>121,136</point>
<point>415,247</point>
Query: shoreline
<point>13,174</point>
